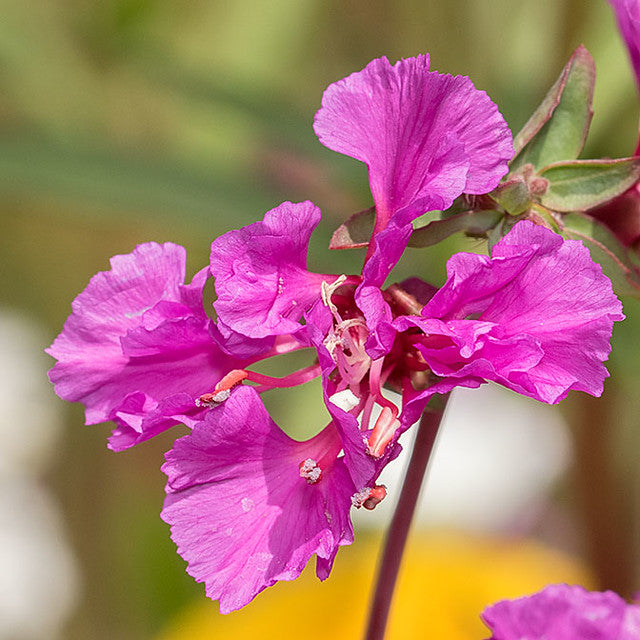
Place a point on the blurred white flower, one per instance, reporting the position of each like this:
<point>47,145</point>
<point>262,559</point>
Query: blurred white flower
<point>38,571</point>
<point>496,457</point>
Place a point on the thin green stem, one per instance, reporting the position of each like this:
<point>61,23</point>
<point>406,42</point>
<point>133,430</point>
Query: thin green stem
<point>399,528</point>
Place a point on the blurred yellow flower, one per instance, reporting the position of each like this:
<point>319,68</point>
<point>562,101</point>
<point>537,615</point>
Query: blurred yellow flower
<point>446,580</point>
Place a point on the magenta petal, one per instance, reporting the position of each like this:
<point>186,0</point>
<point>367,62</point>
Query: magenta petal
<point>541,286</point>
<point>260,271</point>
<point>140,417</point>
<point>426,137</point>
<point>241,514</point>
<point>238,345</point>
<point>389,245</point>
<point>563,612</point>
<point>137,331</point>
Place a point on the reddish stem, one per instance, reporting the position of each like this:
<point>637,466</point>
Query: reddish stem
<point>399,528</point>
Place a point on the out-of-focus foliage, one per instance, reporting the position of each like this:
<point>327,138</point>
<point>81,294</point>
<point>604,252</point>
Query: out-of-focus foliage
<point>123,121</point>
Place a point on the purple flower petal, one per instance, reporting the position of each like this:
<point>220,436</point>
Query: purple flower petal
<point>261,275</point>
<point>136,337</point>
<point>564,612</point>
<point>242,511</point>
<point>139,417</point>
<point>537,287</point>
<point>389,245</point>
<point>425,137</point>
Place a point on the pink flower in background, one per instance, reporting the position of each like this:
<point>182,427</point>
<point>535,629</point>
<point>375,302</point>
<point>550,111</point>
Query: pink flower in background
<point>628,18</point>
<point>564,612</point>
<point>622,214</point>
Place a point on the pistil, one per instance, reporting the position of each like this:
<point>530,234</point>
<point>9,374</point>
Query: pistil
<point>383,431</point>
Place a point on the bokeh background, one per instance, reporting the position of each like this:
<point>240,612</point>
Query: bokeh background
<point>123,121</point>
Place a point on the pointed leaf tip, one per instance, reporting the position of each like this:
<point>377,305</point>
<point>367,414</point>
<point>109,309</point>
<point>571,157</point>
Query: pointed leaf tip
<point>558,128</point>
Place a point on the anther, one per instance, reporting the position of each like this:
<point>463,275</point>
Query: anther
<point>369,497</point>
<point>376,496</point>
<point>310,471</point>
<point>383,432</point>
<point>328,289</point>
<point>223,389</point>
<point>212,399</point>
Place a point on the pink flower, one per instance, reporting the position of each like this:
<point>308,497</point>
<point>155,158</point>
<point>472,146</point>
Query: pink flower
<point>564,612</point>
<point>247,505</point>
<point>536,317</point>
<point>425,137</point>
<point>262,284</point>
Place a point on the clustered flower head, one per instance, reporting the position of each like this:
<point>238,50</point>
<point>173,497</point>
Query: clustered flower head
<point>564,612</point>
<point>248,506</point>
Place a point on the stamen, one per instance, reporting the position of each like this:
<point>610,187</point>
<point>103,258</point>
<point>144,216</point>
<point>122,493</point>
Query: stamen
<point>223,389</point>
<point>231,380</point>
<point>369,497</point>
<point>212,399</point>
<point>291,380</point>
<point>310,471</point>
<point>376,496</point>
<point>345,399</point>
<point>327,290</point>
<point>383,431</point>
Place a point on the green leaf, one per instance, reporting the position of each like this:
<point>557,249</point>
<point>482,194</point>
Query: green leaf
<point>558,128</point>
<point>475,223</point>
<point>355,232</point>
<point>606,250</point>
<point>583,184</point>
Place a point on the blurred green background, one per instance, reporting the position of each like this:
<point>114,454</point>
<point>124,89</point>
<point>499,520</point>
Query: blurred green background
<point>123,121</point>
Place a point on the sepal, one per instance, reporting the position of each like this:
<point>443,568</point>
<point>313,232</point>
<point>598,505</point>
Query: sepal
<point>473,223</point>
<point>355,232</point>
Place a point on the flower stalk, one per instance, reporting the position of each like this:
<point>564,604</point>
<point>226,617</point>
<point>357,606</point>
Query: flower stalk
<point>399,528</point>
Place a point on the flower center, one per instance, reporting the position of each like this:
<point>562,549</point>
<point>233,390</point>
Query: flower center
<point>346,339</point>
